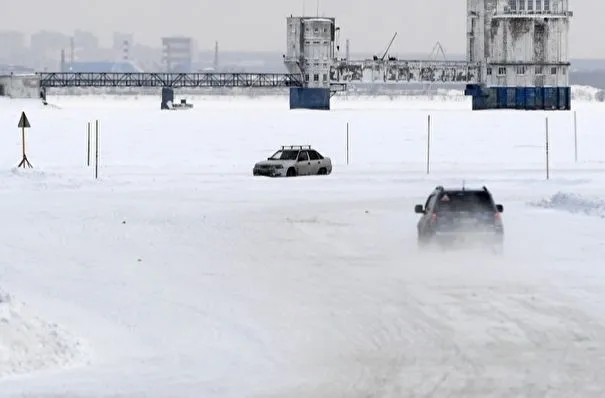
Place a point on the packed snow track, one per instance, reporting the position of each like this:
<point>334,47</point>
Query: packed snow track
<point>179,280</point>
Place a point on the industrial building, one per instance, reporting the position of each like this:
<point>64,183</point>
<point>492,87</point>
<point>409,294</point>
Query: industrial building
<point>177,54</point>
<point>521,47</point>
<point>310,53</point>
<point>517,58</point>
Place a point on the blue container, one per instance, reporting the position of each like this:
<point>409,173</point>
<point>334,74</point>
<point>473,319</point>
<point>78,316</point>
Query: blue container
<point>309,98</point>
<point>525,98</point>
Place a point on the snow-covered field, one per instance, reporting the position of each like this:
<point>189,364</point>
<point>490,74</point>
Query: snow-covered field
<point>178,274</point>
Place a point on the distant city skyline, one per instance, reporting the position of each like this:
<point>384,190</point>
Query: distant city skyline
<point>241,25</point>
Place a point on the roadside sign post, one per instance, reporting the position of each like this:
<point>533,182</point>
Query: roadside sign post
<point>24,124</point>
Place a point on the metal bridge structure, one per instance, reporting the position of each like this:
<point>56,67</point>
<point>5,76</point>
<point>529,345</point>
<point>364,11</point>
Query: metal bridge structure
<point>173,80</point>
<point>166,81</point>
<point>516,59</point>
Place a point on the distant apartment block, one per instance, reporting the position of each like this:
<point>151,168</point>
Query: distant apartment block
<point>177,54</point>
<point>122,45</point>
<point>12,45</point>
<point>85,40</point>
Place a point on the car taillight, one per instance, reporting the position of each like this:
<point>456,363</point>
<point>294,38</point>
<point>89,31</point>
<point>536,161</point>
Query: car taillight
<point>434,217</point>
<point>497,217</point>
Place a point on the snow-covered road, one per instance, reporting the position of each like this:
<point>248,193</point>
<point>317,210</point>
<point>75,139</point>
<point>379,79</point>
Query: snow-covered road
<point>161,283</point>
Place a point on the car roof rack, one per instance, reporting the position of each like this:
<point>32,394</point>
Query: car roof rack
<point>300,147</point>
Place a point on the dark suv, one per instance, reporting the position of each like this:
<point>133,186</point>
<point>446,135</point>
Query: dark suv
<point>461,215</point>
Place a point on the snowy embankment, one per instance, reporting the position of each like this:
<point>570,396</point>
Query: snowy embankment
<point>573,203</point>
<point>579,93</point>
<point>587,93</point>
<point>28,344</point>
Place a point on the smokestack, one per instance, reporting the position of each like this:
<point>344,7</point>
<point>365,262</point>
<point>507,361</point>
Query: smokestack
<point>348,50</point>
<point>216,55</point>
<point>63,66</point>
<point>125,50</point>
<point>72,50</point>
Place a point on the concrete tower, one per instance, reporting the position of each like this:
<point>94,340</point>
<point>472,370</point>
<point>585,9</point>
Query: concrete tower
<point>522,49</point>
<point>310,53</point>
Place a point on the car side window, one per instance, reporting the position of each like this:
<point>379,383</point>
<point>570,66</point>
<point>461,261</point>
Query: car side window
<point>303,156</point>
<point>429,205</point>
<point>316,154</point>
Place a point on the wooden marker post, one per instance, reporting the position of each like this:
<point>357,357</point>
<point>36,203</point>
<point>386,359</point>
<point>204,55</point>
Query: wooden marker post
<point>88,145</point>
<point>96,149</point>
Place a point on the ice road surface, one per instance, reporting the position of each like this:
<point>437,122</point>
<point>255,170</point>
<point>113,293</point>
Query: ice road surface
<point>178,274</point>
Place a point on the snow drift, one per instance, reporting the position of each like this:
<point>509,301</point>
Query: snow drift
<point>27,343</point>
<point>573,203</point>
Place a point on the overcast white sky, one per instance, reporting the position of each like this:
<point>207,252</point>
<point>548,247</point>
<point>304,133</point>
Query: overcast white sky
<point>260,24</point>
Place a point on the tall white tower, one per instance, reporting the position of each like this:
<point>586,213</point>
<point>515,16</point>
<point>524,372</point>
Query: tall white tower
<point>310,49</point>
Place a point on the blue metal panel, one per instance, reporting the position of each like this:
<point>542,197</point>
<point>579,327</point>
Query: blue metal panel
<point>473,90</point>
<point>511,97</point>
<point>539,97</point>
<point>526,98</point>
<point>520,98</point>
<point>491,101</point>
<point>530,98</point>
<point>550,98</point>
<point>502,97</point>
<point>564,98</point>
<point>310,98</point>
<point>167,96</point>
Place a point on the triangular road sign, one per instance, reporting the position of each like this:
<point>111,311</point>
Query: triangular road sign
<point>23,122</point>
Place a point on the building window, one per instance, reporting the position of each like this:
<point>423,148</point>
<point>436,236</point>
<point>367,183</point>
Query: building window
<point>325,77</point>
<point>307,42</point>
<point>521,5</point>
<point>563,70</point>
<point>489,71</point>
<point>520,70</point>
<point>316,77</point>
<point>553,70</point>
<point>325,30</point>
<point>539,70</point>
<point>307,77</point>
<point>502,70</point>
<point>316,30</point>
<point>546,5</point>
<point>530,5</point>
<point>538,5</point>
<point>512,4</point>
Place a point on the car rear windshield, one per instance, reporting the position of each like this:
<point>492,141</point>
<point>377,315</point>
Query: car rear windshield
<point>285,155</point>
<point>472,201</point>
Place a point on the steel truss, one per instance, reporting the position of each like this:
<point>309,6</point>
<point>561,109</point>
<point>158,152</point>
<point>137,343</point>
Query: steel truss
<point>175,80</point>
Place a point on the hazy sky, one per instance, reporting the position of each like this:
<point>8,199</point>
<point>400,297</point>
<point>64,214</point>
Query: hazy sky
<point>260,24</point>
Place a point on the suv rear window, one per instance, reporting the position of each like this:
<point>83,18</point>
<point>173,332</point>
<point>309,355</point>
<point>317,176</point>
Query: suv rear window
<point>465,201</point>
